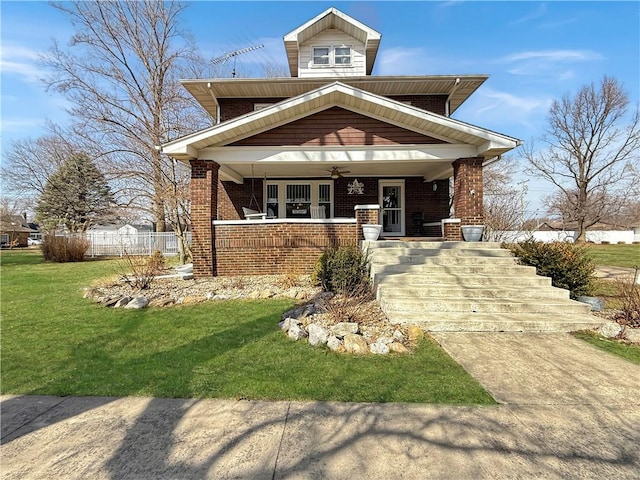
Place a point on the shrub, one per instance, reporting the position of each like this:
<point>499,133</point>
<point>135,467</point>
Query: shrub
<point>64,249</point>
<point>341,270</point>
<point>569,265</point>
<point>141,271</point>
<point>629,292</point>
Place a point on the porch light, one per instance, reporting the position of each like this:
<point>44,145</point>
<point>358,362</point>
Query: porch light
<point>335,176</point>
<point>435,186</point>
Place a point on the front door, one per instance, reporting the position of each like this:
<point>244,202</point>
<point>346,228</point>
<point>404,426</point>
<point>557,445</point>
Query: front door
<point>392,203</point>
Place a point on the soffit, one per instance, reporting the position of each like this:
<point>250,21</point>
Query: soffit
<point>207,91</point>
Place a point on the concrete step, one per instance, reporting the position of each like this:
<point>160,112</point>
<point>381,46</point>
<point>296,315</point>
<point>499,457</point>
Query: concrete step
<point>453,291</point>
<point>440,270</point>
<point>430,245</point>
<point>425,306</point>
<point>471,281</point>
<point>478,322</point>
<point>441,260</point>
<point>436,252</point>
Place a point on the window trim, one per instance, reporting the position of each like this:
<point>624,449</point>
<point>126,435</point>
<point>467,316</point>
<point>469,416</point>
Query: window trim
<point>332,56</point>
<point>315,194</point>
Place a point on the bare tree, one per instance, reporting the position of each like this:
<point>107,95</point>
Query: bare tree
<point>121,75</point>
<point>589,151</point>
<point>504,200</point>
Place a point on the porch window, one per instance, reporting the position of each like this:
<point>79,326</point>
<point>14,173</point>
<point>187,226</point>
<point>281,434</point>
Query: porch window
<point>294,199</point>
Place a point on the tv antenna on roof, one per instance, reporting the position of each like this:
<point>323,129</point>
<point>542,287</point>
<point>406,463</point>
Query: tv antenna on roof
<point>234,55</point>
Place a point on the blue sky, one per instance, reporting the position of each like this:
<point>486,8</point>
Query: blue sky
<point>534,52</point>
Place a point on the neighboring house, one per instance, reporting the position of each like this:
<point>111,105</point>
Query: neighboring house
<point>327,150</point>
<point>14,231</point>
<point>117,234</point>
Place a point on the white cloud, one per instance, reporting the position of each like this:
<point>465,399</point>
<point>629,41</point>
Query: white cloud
<point>553,64</point>
<point>502,111</point>
<point>553,56</point>
<point>22,61</point>
<point>539,12</point>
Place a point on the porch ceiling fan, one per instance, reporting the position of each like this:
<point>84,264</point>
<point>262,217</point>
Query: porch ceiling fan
<point>336,173</point>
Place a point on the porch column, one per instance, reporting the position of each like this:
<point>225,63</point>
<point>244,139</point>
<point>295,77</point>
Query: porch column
<point>365,214</point>
<point>467,190</point>
<point>204,204</point>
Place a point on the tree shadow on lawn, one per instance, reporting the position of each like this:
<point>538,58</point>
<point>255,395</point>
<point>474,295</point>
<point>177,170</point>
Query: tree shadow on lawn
<point>110,365</point>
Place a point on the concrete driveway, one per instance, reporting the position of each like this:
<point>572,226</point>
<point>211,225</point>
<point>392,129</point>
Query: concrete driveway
<point>577,422</point>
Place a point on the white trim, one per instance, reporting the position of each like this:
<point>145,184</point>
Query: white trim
<point>271,221</point>
<point>367,207</point>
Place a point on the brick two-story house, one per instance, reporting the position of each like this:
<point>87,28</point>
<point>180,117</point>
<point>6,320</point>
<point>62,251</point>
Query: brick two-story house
<point>327,150</point>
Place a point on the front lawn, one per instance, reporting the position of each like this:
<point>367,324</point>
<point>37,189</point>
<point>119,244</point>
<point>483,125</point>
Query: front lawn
<point>630,352</point>
<point>615,255</point>
<point>54,342</point>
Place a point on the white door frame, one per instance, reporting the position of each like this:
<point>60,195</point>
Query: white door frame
<point>401,208</point>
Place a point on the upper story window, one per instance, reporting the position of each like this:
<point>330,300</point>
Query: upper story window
<point>331,56</point>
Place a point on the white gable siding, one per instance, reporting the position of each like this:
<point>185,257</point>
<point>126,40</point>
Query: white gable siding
<point>332,38</point>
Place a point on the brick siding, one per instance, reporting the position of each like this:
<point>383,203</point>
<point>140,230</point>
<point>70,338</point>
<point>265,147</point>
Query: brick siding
<point>276,248</point>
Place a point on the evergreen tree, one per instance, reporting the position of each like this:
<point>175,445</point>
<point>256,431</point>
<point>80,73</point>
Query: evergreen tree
<point>76,196</point>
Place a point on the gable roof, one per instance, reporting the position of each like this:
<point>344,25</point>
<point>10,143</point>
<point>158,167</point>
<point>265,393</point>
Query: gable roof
<point>331,18</point>
<point>487,143</point>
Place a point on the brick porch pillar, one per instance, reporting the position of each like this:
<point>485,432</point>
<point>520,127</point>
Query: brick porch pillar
<point>467,190</point>
<point>204,203</point>
<point>366,214</point>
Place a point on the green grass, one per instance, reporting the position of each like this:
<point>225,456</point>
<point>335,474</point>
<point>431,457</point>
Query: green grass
<point>54,342</point>
<point>616,255</point>
<point>630,352</point>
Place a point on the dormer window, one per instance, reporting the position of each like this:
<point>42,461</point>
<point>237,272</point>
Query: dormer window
<point>321,55</point>
<point>331,56</point>
<point>343,55</point>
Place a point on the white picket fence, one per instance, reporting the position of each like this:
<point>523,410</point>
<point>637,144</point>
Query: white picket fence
<point>116,244</point>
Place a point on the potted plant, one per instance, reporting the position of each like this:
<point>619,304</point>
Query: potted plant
<point>472,233</point>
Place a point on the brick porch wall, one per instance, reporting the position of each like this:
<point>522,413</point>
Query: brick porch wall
<point>278,247</point>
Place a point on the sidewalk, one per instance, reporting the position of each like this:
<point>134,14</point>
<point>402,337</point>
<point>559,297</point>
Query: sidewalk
<point>555,422</point>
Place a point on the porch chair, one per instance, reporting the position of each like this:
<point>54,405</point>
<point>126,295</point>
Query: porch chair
<point>251,214</point>
<point>318,212</point>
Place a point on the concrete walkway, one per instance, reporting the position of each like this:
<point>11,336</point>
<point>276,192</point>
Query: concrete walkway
<point>568,411</point>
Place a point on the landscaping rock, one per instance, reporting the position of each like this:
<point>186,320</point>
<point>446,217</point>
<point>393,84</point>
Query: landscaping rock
<point>344,328</point>
<point>111,302</point>
<point>296,332</point>
<point>596,303</point>
<point>398,336</point>
<point>385,340</point>
<point>318,335</point>
<point>122,302</point>
<point>355,344</point>
<point>379,348</point>
<point>334,343</point>
<point>610,329</point>
<point>288,322</point>
<point>137,303</point>
<point>294,313</point>
<point>266,294</point>
<point>632,334</point>
<point>398,348</point>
